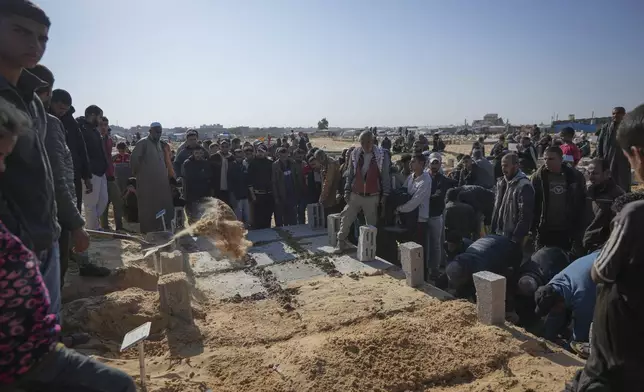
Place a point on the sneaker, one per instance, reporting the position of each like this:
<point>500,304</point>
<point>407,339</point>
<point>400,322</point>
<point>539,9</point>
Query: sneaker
<point>94,271</point>
<point>340,247</point>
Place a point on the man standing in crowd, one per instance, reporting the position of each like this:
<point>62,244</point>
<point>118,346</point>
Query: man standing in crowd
<point>419,187</point>
<point>95,200</point>
<point>192,136</point>
<point>61,107</point>
<point>152,183</point>
<point>298,157</point>
<point>461,220</point>
<point>238,183</point>
<point>286,188</point>
<point>197,176</point>
<point>330,172</point>
<point>367,186</point>
<point>528,159</point>
<point>607,149</point>
<point>114,195</point>
<point>617,346</point>
<point>62,168</point>
<point>571,153</point>
<point>260,171</point>
<point>436,227</point>
<point>559,204</point>
<point>221,160</point>
<point>601,194</point>
<point>486,170</point>
<point>514,202</point>
<point>28,206</point>
<point>470,173</point>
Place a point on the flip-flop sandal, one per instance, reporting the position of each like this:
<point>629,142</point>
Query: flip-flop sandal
<point>581,348</point>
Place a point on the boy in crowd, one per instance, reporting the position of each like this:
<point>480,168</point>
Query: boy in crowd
<point>238,183</point>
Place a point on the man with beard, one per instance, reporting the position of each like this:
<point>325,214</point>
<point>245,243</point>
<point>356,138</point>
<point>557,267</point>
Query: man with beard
<point>559,204</point>
<point>94,200</point>
<point>61,107</point>
<point>514,202</point>
<point>440,186</point>
<point>152,184</point>
<point>287,187</point>
<point>367,186</point>
<point>617,345</point>
<point>602,192</point>
<point>196,172</point>
<point>607,149</point>
<point>221,160</point>
<point>260,172</point>
<point>192,136</point>
<point>528,155</point>
<point>62,167</point>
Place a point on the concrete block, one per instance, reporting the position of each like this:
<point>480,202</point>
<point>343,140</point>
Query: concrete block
<point>174,296</point>
<point>230,284</point>
<point>490,297</point>
<point>367,243</point>
<point>315,215</point>
<point>333,227</point>
<point>171,262</point>
<point>411,259</point>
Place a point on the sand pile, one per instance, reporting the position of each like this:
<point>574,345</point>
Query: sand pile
<point>219,223</point>
<point>111,316</point>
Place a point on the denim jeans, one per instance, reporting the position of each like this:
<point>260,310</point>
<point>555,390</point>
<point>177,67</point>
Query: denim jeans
<point>66,370</point>
<point>50,270</point>
<point>242,210</point>
<point>301,211</point>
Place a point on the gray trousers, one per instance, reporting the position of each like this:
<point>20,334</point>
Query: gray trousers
<point>369,207</point>
<point>436,252</point>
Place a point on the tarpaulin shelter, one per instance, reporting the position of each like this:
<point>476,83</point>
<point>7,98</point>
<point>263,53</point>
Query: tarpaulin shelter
<point>580,127</point>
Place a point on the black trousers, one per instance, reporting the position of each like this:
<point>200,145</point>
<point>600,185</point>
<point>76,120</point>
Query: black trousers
<point>78,184</point>
<point>64,243</point>
<point>556,238</point>
<point>263,211</point>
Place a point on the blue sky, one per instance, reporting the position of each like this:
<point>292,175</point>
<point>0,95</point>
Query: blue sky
<point>356,62</point>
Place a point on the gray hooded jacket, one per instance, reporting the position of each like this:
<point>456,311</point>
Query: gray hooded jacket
<point>513,207</point>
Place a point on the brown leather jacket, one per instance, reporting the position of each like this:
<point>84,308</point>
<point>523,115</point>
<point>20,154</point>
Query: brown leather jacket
<point>331,178</point>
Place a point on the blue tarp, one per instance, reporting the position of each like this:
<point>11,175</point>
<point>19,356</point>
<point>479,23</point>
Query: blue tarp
<point>588,128</point>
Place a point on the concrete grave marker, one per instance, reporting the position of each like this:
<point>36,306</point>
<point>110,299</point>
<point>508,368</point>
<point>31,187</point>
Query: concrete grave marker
<point>171,262</point>
<point>367,243</point>
<point>490,297</point>
<point>175,296</point>
<point>333,227</point>
<point>315,215</point>
<point>411,259</point>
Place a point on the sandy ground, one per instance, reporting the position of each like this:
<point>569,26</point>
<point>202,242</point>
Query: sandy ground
<point>349,333</point>
<point>334,334</point>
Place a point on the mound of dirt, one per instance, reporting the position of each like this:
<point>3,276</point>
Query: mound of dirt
<point>111,316</point>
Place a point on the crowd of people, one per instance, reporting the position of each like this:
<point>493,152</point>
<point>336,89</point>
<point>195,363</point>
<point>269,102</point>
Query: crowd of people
<point>583,266</point>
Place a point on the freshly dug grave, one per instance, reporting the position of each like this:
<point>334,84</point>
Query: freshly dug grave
<point>374,334</point>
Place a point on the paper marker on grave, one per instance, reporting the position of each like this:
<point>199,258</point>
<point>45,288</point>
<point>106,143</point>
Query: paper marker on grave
<point>138,335</point>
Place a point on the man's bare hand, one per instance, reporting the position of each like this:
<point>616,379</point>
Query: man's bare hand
<point>80,240</point>
<point>88,186</point>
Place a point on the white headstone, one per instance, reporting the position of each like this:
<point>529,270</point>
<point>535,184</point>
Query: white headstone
<point>367,243</point>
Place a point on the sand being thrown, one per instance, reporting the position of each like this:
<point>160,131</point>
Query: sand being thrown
<point>218,223</point>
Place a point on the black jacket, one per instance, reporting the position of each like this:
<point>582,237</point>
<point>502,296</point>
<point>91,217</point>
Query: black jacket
<point>260,172</point>
<point>440,186</point>
<point>76,144</point>
<point>95,149</point>
<point>460,220</point>
<point>181,157</point>
<point>197,179</point>
<point>238,180</point>
<point>28,205</point>
<point>528,159</point>
<point>608,149</point>
<point>481,199</point>
<point>575,203</point>
<point>599,214</point>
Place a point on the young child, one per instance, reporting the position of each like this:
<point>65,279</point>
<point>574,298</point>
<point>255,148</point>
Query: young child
<point>130,201</point>
<point>571,152</point>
